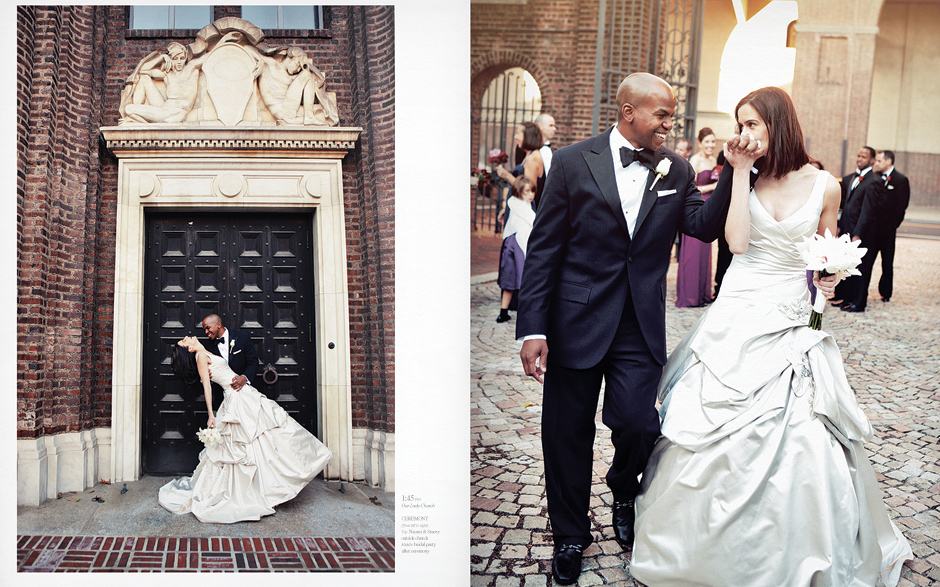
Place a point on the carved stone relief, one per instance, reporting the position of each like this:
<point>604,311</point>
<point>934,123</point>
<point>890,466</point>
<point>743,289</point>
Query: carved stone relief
<point>228,76</point>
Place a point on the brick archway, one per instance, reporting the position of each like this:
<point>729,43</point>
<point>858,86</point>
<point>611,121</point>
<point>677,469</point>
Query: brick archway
<point>486,68</point>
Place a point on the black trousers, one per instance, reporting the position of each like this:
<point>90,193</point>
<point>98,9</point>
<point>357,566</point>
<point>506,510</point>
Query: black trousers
<point>631,377</point>
<point>886,244</point>
<point>863,281</point>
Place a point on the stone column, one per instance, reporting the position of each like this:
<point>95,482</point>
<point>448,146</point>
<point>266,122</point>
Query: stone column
<point>835,54</point>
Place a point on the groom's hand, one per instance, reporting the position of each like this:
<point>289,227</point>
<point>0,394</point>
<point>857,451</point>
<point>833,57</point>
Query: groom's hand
<point>534,356</point>
<point>238,382</point>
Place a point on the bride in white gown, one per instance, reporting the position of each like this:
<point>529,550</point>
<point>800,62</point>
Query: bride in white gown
<point>264,458</point>
<point>760,477</point>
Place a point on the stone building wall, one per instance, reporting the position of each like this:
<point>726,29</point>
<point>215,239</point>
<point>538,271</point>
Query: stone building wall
<point>72,62</point>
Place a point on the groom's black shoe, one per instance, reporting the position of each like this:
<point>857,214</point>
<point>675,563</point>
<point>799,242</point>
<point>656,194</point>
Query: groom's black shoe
<point>624,515</point>
<point>566,566</point>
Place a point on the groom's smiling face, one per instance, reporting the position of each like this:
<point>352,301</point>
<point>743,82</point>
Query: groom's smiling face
<point>213,328</point>
<point>650,120</point>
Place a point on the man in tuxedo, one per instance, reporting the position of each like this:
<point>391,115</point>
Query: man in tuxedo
<point>898,197</point>
<point>546,124</point>
<point>863,160</point>
<point>233,346</point>
<point>593,290</point>
<point>863,197</point>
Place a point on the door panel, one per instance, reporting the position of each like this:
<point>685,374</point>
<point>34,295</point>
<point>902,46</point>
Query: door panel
<point>256,272</point>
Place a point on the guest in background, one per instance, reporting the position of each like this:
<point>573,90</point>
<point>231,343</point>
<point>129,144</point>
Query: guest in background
<point>518,152</point>
<point>515,238</point>
<point>684,148</point>
<point>704,159</point>
<point>899,196</point>
<point>694,278</point>
<point>546,124</point>
<point>864,200</point>
<point>532,166</point>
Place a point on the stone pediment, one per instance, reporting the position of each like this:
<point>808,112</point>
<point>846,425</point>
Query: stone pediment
<point>228,76</point>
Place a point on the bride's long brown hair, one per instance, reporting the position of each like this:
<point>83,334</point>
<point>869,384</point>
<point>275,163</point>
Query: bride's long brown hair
<point>786,151</point>
<point>183,364</point>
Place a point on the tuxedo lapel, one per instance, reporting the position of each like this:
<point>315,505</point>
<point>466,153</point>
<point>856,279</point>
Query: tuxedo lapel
<point>853,192</point>
<point>600,161</point>
<point>649,195</point>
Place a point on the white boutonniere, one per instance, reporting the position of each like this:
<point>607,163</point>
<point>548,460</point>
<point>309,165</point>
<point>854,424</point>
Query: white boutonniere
<point>231,345</point>
<point>662,169</point>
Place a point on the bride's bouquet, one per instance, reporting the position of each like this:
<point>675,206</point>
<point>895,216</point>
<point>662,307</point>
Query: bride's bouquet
<point>829,255</point>
<point>209,436</point>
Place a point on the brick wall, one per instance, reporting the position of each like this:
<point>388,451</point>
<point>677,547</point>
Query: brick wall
<point>62,375</point>
<point>555,41</point>
<point>370,38</point>
<point>72,63</point>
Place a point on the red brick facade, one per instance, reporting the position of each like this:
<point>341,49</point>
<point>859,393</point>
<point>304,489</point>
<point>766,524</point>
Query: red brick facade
<point>555,41</point>
<point>72,62</point>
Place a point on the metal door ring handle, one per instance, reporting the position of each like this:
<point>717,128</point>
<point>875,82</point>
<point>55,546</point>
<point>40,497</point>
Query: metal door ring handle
<point>268,370</point>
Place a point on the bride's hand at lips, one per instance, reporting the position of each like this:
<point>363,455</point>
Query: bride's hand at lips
<point>743,150</point>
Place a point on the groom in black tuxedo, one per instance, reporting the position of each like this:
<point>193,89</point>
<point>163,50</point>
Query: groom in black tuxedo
<point>233,346</point>
<point>594,290</point>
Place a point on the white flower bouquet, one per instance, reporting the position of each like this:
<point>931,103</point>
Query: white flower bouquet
<point>829,255</point>
<point>209,436</point>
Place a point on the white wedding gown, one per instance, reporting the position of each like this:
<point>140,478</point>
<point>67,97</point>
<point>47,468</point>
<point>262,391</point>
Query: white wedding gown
<point>760,477</point>
<point>265,458</point>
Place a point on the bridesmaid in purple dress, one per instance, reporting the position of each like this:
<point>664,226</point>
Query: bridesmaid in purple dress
<point>694,278</point>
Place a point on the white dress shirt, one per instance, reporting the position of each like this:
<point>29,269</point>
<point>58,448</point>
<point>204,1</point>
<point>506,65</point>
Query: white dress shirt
<point>631,180</point>
<point>858,178</point>
<point>223,346</point>
<point>546,152</point>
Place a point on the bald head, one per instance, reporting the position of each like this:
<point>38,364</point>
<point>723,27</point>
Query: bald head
<point>212,324</point>
<point>546,124</point>
<point>645,107</point>
<point>637,88</point>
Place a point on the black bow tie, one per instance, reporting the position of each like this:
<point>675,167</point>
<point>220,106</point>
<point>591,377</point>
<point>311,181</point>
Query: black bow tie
<point>628,156</point>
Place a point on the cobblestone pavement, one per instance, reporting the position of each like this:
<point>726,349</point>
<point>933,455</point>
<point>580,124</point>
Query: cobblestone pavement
<point>892,360</point>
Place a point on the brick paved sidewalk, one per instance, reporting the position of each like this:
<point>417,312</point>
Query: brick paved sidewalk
<point>329,526</point>
<point>892,360</point>
<point>158,554</point>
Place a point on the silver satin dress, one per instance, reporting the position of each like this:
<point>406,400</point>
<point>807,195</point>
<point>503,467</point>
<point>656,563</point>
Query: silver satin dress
<point>265,458</point>
<point>760,477</point>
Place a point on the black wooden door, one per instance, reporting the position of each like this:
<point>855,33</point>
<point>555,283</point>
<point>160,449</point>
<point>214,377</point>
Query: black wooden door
<point>256,272</point>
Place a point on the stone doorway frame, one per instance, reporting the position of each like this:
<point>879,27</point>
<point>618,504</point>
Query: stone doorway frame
<point>170,167</point>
